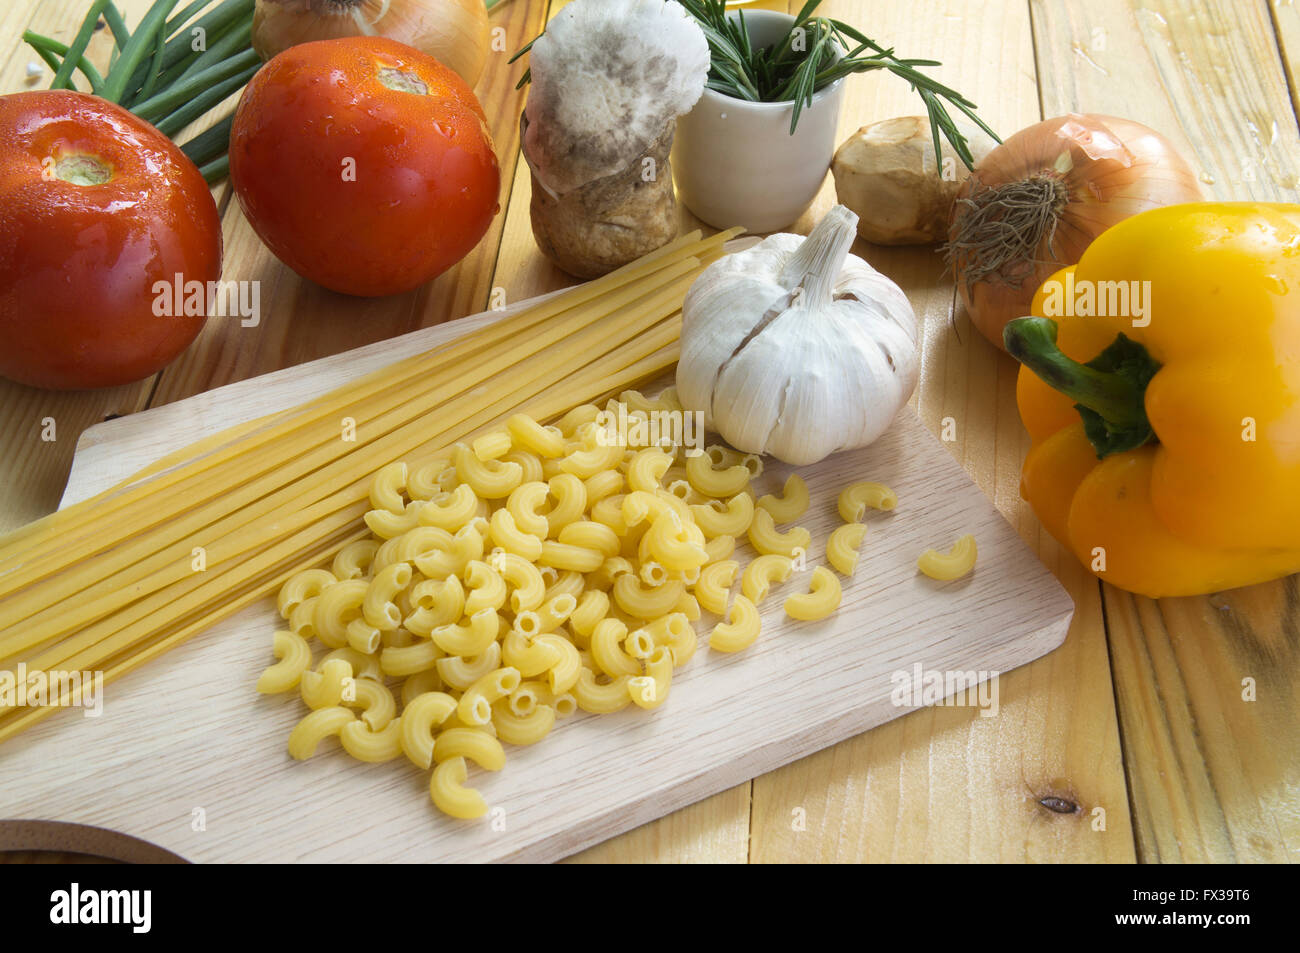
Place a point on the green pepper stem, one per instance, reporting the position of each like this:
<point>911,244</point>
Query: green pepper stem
<point>1032,342</point>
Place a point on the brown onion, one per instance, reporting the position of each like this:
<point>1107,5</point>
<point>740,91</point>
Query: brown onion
<point>1036,202</point>
<point>453,32</point>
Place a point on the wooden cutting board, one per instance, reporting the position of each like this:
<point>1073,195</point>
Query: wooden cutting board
<point>187,756</point>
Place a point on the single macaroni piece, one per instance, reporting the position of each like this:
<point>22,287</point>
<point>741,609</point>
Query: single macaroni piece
<point>741,629</point>
<point>593,459</point>
<point>303,586</point>
<point>671,544</point>
<point>473,744</point>
<point>857,498</point>
<point>386,524</point>
<point>563,674</point>
<point>822,598</point>
<point>714,586</point>
<point>528,434</point>
<point>524,505</point>
<point>792,503</point>
<point>436,603</point>
<point>646,602</point>
<point>387,489</point>
<point>524,578</point>
<point>578,417</point>
<point>526,729</point>
<point>363,666</point>
<point>294,656</point>
<point>450,511</point>
<point>447,788</point>
<point>608,653</point>
<point>475,706</point>
<point>354,559</point>
<point>422,714</point>
<point>843,545</point>
<point>507,534</point>
<point>530,656</point>
<point>570,495</point>
<point>568,583</point>
<point>761,573</point>
<point>604,484</point>
<point>376,702</point>
<point>378,607</point>
<point>492,446</point>
<point>601,697</point>
<point>566,556</point>
<point>421,683</point>
<point>953,564</point>
<point>366,744</point>
<point>424,483</point>
<point>316,727</point>
<point>467,640</point>
<point>460,673</point>
<point>401,661</point>
<point>592,608</point>
<point>324,687</point>
<point>730,519</point>
<point>764,537</point>
<point>489,479</point>
<point>720,547</point>
<point>646,469</point>
<point>716,483</point>
<point>335,607</point>
<point>487,589</point>
<point>651,689</point>
<point>534,469</point>
<point>588,534</point>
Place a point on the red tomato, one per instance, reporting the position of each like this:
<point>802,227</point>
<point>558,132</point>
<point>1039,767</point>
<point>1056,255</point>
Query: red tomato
<point>96,207</point>
<point>365,165</point>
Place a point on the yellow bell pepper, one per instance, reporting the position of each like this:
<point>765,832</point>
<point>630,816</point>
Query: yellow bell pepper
<point>1168,461</point>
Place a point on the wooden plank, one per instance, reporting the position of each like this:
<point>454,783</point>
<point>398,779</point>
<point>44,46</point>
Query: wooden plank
<point>1208,771</point>
<point>1286,25</point>
<point>802,686</point>
<point>948,784</point>
<point>34,468</point>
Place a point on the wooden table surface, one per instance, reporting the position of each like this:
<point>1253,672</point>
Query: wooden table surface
<point>1162,731</point>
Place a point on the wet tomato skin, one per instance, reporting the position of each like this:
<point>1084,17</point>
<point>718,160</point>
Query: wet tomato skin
<point>79,260</point>
<point>361,187</point>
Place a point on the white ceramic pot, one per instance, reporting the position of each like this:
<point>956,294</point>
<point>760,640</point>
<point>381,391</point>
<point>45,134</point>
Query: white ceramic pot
<point>735,162</point>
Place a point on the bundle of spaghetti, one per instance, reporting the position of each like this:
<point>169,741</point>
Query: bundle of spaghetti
<point>113,581</point>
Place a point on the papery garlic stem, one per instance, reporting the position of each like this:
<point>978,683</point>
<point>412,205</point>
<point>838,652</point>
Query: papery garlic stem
<point>820,259</point>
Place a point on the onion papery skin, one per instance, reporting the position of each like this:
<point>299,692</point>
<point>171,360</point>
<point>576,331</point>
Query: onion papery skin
<point>454,32</point>
<point>1108,169</point>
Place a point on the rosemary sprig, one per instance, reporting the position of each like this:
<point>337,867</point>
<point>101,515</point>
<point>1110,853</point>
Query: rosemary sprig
<point>816,52</point>
<point>156,72</point>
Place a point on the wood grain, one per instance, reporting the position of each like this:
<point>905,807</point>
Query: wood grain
<point>1212,777</point>
<point>947,784</point>
<point>165,739</point>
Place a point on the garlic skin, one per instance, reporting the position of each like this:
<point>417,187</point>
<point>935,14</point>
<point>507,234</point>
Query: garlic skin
<point>797,349</point>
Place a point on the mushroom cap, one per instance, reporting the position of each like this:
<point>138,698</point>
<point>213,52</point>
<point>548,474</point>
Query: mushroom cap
<point>607,77</point>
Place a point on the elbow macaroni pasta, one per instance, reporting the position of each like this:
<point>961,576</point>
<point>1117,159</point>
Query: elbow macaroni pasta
<point>953,564</point>
<point>510,581</point>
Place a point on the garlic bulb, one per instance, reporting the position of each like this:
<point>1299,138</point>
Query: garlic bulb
<point>795,347</point>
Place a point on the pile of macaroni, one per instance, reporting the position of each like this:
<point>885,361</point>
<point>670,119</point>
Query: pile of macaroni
<point>534,572</point>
